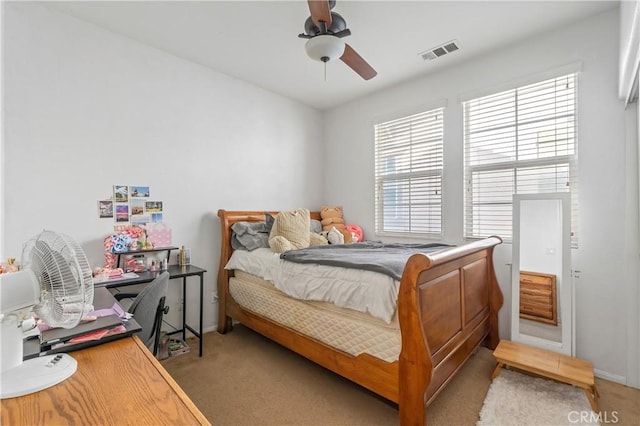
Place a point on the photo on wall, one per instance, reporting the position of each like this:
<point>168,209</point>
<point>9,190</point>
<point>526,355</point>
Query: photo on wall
<point>153,206</point>
<point>121,193</point>
<point>140,191</point>
<point>140,220</point>
<point>105,208</point>
<point>156,217</point>
<point>137,206</point>
<point>122,212</point>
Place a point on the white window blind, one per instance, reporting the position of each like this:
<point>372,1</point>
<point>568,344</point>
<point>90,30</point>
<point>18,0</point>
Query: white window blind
<point>408,173</point>
<point>521,141</point>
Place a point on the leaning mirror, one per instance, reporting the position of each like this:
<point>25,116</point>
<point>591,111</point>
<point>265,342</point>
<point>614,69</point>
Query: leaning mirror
<point>542,302</point>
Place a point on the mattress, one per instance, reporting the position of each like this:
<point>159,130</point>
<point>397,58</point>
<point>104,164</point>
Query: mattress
<point>365,291</point>
<point>344,329</point>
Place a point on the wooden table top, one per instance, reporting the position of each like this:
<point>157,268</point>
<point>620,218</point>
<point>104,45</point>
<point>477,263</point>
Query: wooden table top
<point>119,382</point>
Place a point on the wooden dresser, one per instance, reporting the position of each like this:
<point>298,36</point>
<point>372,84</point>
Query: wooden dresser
<point>119,382</point>
<point>538,299</point>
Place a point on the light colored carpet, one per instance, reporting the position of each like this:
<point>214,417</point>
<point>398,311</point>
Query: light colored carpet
<point>521,400</point>
<point>245,379</point>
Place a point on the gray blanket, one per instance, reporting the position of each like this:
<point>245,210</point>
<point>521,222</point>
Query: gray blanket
<point>388,259</point>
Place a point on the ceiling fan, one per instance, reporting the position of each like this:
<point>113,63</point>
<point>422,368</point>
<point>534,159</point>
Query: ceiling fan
<point>324,30</point>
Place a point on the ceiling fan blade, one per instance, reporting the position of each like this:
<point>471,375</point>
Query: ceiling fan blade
<point>359,65</point>
<point>320,12</point>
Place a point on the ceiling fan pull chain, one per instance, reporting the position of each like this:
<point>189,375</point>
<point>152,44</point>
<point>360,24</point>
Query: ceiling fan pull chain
<point>325,71</point>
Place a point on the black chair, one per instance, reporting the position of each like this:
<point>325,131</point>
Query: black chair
<point>148,307</point>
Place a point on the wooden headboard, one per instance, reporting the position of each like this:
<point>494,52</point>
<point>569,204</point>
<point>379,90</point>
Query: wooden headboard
<point>227,219</point>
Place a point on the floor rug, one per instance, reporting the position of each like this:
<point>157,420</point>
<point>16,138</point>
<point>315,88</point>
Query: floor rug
<point>519,399</point>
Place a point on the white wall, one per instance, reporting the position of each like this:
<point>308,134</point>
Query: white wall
<point>85,109</point>
<point>606,248</point>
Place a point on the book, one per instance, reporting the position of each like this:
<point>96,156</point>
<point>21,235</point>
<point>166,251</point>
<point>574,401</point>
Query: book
<point>178,347</point>
<point>92,336</point>
<point>52,336</point>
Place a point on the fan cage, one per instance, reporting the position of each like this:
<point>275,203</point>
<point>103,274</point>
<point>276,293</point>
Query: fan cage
<point>64,274</point>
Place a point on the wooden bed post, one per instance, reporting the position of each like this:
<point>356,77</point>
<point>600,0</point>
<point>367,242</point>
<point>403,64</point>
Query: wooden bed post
<point>416,367</point>
<point>224,321</point>
<point>496,299</point>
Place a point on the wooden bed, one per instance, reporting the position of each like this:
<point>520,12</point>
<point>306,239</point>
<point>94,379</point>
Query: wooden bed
<point>448,305</point>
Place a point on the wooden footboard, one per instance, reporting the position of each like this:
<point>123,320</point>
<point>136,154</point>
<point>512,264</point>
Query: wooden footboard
<point>447,305</point>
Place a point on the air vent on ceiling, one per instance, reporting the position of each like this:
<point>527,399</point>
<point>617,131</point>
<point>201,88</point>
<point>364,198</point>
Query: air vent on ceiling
<point>438,51</point>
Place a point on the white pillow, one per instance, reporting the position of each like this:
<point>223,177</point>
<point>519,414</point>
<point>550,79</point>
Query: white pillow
<point>258,262</point>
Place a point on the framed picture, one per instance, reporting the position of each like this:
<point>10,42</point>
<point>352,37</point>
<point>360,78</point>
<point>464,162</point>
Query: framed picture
<point>139,191</point>
<point>105,208</point>
<point>140,220</point>
<point>153,206</point>
<point>121,193</point>
<point>122,212</point>
<point>137,206</point>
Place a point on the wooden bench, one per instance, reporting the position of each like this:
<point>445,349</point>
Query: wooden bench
<point>552,365</point>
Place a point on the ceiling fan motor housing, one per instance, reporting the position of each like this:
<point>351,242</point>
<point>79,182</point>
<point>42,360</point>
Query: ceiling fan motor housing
<point>337,24</point>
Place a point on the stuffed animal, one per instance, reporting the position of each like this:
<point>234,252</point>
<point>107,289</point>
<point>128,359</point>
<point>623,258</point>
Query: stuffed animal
<point>346,235</point>
<point>331,217</point>
<point>356,232</point>
<point>337,236</point>
<point>315,239</point>
<point>290,231</point>
<point>333,236</point>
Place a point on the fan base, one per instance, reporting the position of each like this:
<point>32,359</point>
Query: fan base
<point>36,374</point>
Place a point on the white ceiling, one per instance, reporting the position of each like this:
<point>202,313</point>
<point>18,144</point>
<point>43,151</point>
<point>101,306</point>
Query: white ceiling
<point>257,41</point>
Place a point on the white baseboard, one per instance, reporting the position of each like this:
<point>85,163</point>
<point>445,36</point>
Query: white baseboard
<point>212,328</point>
<point>611,377</point>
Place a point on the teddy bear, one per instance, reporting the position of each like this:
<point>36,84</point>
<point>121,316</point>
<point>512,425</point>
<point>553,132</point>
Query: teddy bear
<point>331,217</point>
<point>337,236</point>
<point>291,231</point>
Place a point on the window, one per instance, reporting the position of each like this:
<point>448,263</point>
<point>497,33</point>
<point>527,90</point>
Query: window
<point>520,141</point>
<point>408,173</point>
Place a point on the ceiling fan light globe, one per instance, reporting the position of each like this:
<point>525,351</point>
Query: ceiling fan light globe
<point>325,48</point>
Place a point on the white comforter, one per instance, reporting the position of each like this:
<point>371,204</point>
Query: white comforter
<point>364,291</point>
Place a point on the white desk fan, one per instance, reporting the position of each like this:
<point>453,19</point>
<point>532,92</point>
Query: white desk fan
<point>56,281</point>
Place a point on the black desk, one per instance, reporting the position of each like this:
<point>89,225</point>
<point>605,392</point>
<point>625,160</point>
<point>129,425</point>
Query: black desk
<point>175,271</point>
